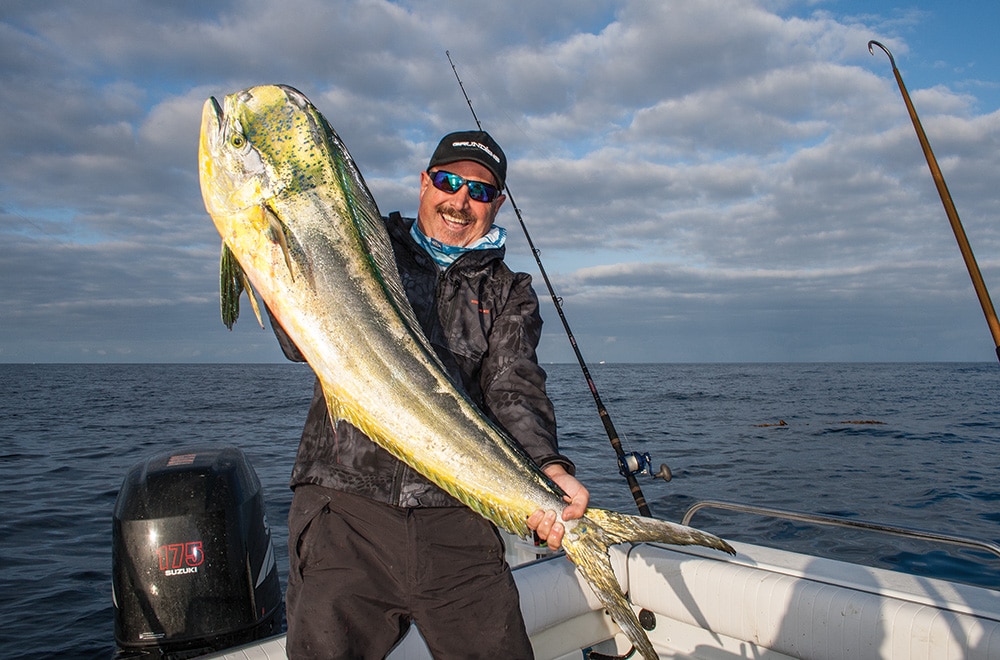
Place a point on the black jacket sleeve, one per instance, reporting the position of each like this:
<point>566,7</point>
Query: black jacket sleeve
<point>512,381</point>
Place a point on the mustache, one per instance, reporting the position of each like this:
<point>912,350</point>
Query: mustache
<point>455,214</point>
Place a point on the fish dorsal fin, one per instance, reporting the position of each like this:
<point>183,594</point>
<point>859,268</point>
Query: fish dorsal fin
<point>371,227</point>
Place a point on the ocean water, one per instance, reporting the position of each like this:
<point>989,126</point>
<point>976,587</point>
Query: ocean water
<point>914,445</point>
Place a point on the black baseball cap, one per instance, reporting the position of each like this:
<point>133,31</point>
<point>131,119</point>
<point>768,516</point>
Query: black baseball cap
<point>476,146</point>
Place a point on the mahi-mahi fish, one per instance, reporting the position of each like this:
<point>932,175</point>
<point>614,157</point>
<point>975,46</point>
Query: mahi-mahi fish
<point>294,211</point>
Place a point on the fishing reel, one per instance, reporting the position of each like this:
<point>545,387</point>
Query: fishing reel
<point>634,463</point>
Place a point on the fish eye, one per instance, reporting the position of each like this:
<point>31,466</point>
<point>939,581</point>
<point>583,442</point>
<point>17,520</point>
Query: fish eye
<point>237,140</point>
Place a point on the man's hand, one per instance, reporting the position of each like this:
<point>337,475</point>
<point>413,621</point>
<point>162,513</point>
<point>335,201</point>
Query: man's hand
<point>546,523</point>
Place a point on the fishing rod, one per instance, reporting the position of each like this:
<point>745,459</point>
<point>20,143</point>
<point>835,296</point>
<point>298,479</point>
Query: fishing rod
<point>949,206</point>
<point>631,463</point>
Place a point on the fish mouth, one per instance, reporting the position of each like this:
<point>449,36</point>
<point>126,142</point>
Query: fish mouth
<point>217,111</point>
<point>212,116</point>
<point>208,148</point>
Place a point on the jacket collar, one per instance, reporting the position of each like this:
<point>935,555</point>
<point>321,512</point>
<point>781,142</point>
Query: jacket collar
<point>399,227</point>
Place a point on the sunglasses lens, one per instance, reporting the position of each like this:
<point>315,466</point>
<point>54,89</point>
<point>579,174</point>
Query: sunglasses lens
<point>452,183</point>
<point>480,191</point>
<point>447,181</point>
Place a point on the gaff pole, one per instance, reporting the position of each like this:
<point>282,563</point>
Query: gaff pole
<point>628,463</point>
<point>949,206</point>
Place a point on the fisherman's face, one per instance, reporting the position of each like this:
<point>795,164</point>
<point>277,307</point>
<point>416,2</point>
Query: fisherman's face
<point>455,218</point>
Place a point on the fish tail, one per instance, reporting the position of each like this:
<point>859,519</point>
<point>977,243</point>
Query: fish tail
<point>587,545</point>
<point>624,528</point>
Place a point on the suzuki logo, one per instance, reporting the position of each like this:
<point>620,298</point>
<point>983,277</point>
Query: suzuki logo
<point>180,558</point>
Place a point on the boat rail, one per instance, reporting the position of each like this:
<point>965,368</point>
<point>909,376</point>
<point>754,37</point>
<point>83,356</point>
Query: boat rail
<point>837,521</point>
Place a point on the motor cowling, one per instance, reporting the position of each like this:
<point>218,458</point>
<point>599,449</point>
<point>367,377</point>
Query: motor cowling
<point>193,563</point>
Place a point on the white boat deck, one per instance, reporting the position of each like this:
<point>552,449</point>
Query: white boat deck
<point>763,603</point>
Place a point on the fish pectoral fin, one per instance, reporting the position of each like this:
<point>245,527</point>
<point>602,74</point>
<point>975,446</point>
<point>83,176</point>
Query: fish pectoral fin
<point>588,546</point>
<point>276,232</point>
<point>232,283</point>
<point>253,301</point>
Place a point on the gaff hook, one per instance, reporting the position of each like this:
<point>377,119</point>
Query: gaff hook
<point>892,60</point>
<point>949,206</point>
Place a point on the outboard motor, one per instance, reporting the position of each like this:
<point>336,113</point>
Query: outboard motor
<point>193,564</point>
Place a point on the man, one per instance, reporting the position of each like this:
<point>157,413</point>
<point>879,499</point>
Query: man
<point>373,545</point>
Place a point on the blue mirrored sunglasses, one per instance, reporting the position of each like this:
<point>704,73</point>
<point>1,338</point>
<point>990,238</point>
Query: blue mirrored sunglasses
<point>452,183</point>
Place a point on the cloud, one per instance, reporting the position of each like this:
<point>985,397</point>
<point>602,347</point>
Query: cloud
<point>718,180</point>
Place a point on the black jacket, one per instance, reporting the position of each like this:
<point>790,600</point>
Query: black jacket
<point>482,320</point>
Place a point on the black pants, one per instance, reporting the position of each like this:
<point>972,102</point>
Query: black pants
<point>361,571</point>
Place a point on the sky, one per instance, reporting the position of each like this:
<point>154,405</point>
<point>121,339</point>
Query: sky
<point>705,181</point>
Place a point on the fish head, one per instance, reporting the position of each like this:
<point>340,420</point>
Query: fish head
<point>273,175</point>
<point>259,144</point>
<point>285,195</point>
<point>233,173</point>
